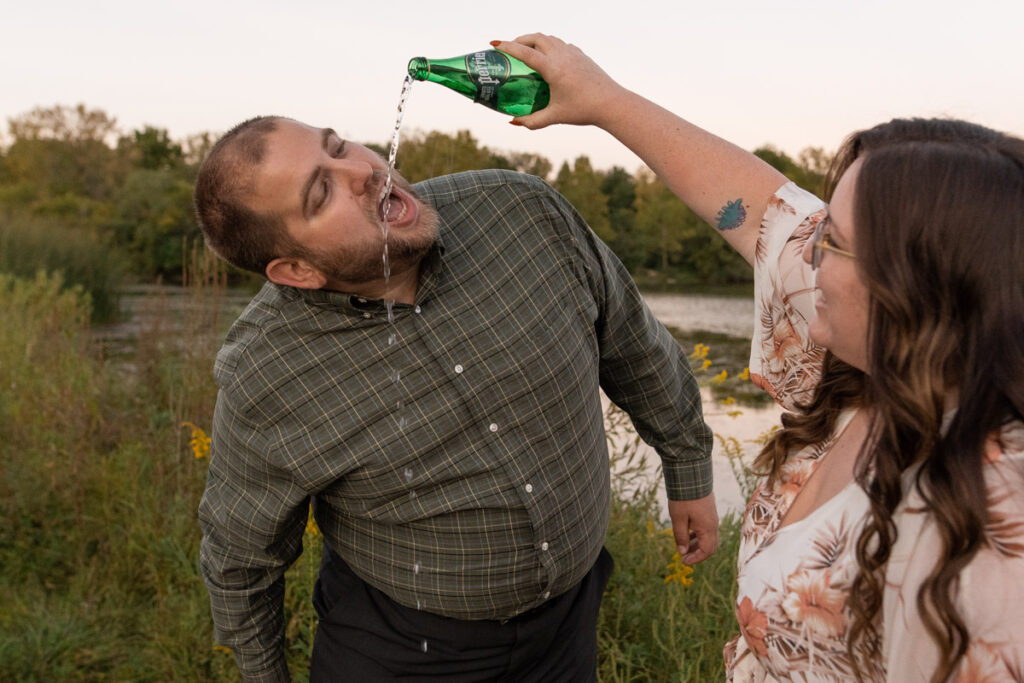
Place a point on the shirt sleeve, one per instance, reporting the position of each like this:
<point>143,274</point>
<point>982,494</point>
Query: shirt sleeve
<point>252,516</point>
<point>783,360</point>
<point>643,369</point>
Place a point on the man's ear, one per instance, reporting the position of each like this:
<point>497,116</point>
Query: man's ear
<point>295,273</point>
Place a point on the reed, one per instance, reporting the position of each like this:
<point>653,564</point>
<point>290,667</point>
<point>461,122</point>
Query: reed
<point>81,254</point>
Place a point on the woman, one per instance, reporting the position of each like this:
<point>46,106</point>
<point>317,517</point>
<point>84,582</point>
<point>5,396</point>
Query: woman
<point>892,324</point>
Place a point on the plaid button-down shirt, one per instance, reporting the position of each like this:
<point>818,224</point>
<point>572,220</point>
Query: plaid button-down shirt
<point>455,456</point>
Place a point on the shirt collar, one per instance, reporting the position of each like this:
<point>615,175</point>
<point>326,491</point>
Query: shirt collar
<point>354,304</point>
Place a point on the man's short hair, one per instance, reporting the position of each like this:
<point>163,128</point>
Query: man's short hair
<point>240,235</point>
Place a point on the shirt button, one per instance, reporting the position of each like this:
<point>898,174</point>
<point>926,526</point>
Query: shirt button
<point>493,427</point>
<point>366,315</point>
<point>544,545</point>
<point>529,488</point>
<point>417,309</point>
<point>547,594</point>
<point>458,369</point>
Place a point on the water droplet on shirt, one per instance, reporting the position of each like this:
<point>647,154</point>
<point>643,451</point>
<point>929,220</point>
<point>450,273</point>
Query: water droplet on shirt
<point>423,646</point>
<point>418,604</point>
<point>408,474</point>
<point>392,338</point>
<point>416,568</point>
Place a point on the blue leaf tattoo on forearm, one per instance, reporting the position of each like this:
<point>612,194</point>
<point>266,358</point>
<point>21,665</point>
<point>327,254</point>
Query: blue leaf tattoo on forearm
<point>732,215</point>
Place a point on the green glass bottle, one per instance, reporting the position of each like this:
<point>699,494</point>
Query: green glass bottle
<point>491,78</point>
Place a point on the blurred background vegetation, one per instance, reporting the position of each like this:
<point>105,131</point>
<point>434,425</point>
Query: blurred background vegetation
<point>106,206</point>
<point>101,454</point>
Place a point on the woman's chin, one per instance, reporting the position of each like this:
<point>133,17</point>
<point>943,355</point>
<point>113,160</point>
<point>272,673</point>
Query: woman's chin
<point>817,332</point>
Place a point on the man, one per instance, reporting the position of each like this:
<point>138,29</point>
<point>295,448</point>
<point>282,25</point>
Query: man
<point>445,421</point>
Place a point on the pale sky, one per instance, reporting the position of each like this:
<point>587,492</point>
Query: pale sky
<point>794,73</point>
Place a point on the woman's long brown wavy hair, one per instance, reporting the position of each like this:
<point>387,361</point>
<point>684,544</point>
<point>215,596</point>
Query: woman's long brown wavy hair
<point>939,237</point>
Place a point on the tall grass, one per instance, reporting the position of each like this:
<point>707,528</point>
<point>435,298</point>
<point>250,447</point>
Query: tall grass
<point>81,254</point>
<point>100,483</point>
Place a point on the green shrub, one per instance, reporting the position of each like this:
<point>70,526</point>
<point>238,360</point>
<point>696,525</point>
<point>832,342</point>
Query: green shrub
<point>84,257</point>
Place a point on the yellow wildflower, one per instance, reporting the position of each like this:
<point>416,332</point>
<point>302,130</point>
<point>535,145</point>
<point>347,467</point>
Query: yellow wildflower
<point>720,377</point>
<point>678,571</point>
<point>706,365</point>
<point>311,527</point>
<point>700,351</point>
<point>221,648</point>
<point>745,375</point>
<point>731,400</point>
<point>734,413</point>
<point>199,441</point>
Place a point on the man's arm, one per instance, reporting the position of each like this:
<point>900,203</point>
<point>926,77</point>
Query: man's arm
<point>725,185</point>
<point>644,371</point>
<point>252,517</point>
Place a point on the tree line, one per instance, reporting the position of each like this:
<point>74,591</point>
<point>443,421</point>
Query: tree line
<point>77,192</point>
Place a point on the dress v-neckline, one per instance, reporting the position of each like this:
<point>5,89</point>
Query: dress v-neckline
<point>845,419</point>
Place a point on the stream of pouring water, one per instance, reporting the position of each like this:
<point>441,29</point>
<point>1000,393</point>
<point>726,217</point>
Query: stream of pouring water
<point>384,201</point>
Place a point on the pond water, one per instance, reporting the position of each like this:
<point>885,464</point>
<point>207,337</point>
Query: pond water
<point>731,315</point>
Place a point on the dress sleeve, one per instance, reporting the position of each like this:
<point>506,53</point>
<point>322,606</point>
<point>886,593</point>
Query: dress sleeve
<point>783,360</point>
<point>988,596</point>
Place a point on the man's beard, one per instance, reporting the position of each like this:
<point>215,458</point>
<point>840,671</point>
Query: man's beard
<point>364,263</point>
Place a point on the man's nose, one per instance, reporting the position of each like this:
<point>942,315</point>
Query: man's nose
<point>354,174</point>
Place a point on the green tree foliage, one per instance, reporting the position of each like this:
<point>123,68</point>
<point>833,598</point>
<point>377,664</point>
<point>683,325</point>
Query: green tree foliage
<point>69,171</point>
<point>154,217</point>
<point>581,185</point>
<point>151,149</point>
<point>60,151</point>
<point>426,155</point>
<point>620,189</point>
<point>663,222</point>
<point>807,171</point>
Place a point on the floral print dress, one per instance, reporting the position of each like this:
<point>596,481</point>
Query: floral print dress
<point>794,579</point>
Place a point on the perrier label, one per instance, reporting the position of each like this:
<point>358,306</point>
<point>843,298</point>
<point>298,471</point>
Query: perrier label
<point>489,77</point>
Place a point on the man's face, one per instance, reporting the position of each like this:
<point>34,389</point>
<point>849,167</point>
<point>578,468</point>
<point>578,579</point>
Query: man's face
<point>327,191</point>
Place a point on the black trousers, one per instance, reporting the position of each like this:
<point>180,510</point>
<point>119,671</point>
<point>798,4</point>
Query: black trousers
<point>364,636</point>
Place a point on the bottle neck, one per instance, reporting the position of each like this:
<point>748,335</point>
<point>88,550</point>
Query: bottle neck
<point>419,68</point>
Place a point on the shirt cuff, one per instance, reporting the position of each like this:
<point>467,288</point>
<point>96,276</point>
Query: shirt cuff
<point>688,480</point>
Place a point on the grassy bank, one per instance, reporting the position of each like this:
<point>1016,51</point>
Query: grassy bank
<point>99,489</point>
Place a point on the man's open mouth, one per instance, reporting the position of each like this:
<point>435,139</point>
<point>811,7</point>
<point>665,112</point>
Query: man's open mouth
<point>396,208</point>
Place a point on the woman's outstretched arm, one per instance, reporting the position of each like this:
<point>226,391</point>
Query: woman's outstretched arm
<point>725,185</point>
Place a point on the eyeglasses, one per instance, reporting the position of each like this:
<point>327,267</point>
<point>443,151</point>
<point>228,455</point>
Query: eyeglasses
<point>823,240</point>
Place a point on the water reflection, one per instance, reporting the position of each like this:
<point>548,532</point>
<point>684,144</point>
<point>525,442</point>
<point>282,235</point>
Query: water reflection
<point>730,315</point>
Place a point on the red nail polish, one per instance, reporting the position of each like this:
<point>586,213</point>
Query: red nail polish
<point>515,123</point>
<point>494,43</point>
